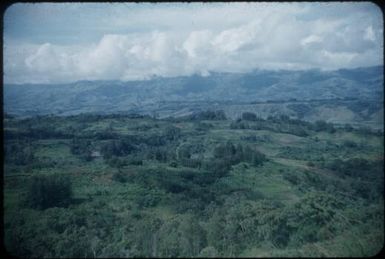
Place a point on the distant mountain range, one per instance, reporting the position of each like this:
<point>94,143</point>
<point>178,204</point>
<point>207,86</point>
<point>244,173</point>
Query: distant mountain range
<point>279,90</point>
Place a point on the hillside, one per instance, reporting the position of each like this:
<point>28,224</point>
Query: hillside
<point>199,185</point>
<point>228,91</point>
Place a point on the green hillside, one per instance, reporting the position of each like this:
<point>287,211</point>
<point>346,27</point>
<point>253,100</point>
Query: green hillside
<point>198,185</point>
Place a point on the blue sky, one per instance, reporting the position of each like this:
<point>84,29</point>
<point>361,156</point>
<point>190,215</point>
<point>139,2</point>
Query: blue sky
<point>65,42</point>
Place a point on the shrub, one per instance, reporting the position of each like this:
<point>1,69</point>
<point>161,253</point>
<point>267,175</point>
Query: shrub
<point>116,162</point>
<point>208,251</point>
<point>208,115</point>
<point>191,162</point>
<point>350,144</point>
<point>317,211</point>
<point>49,191</point>
<point>310,163</point>
<point>121,147</point>
<point>348,127</point>
<point>135,161</point>
<point>19,153</point>
<point>249,116</point>
<point>201,126</point>
<point>119,177</point>
<point>234,154</point>
<point>291,177</point>
<point>173,164</point>
<point>321,125</point>
<point>148,200</point>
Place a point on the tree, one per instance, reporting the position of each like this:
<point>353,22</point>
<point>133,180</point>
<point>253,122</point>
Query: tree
<point>148,237</point>
<point>348,127</point>
<point>81,148</point>
<point>321,125</point>
<point>19,153</point>
<point>49,191</point>
<point>181,236</point>
<point>317,209</point>
<point>249,116</point>
<point>215,234</point>
<point>209,115</point>
<point>172,133</point>
<point>224,150</point>
<point>208,252</point>
<point>193,236</point>
<point>121,147</point>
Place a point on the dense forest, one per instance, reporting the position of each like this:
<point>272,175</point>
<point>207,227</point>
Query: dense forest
<point>201,185</point>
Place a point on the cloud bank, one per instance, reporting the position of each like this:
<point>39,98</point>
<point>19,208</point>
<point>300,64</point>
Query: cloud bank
<point>182,39</point>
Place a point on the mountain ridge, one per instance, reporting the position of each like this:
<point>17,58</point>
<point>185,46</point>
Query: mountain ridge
<point>158,94</point>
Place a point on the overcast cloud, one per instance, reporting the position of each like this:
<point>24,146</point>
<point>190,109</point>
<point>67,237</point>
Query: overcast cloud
<point>53,43</point>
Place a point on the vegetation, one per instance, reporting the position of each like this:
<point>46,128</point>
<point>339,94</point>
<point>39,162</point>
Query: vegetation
<point>49,191</point>
<point>198,186</point>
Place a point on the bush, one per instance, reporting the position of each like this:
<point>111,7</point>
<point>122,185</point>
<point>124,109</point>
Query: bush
<point>315,211</point>
<point>310,163</point>
<point>218,167</point>
<point>208,251</point>
<point>201,126</point>
<point>350,144</point>
<point>121,147</point>
<point>148,200</point>
<point>348,127</point>
<point>172,133</point>
<point>135,161</point>
<point>234,154</point>
<point>208,115</point>
<point>19,153</point>
<point>249,116</point>
<point>116,162</point>
<point>291,177</point>
<point>191,162</point>
<point>321,125</point>
<point>173,164</point>
<point>119,177</point>
<point>49,191</point>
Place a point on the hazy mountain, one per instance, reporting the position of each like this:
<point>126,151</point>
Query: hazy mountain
<point>180,95</point>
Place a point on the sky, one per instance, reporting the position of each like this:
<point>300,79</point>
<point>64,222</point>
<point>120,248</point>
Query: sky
<point>67,42</point>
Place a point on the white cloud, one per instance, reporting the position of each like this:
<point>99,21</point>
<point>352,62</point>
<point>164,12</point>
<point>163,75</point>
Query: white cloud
<point>279,36</point>
<point>369,34</point>
<point>197,43</point>
<point>311,40</point>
